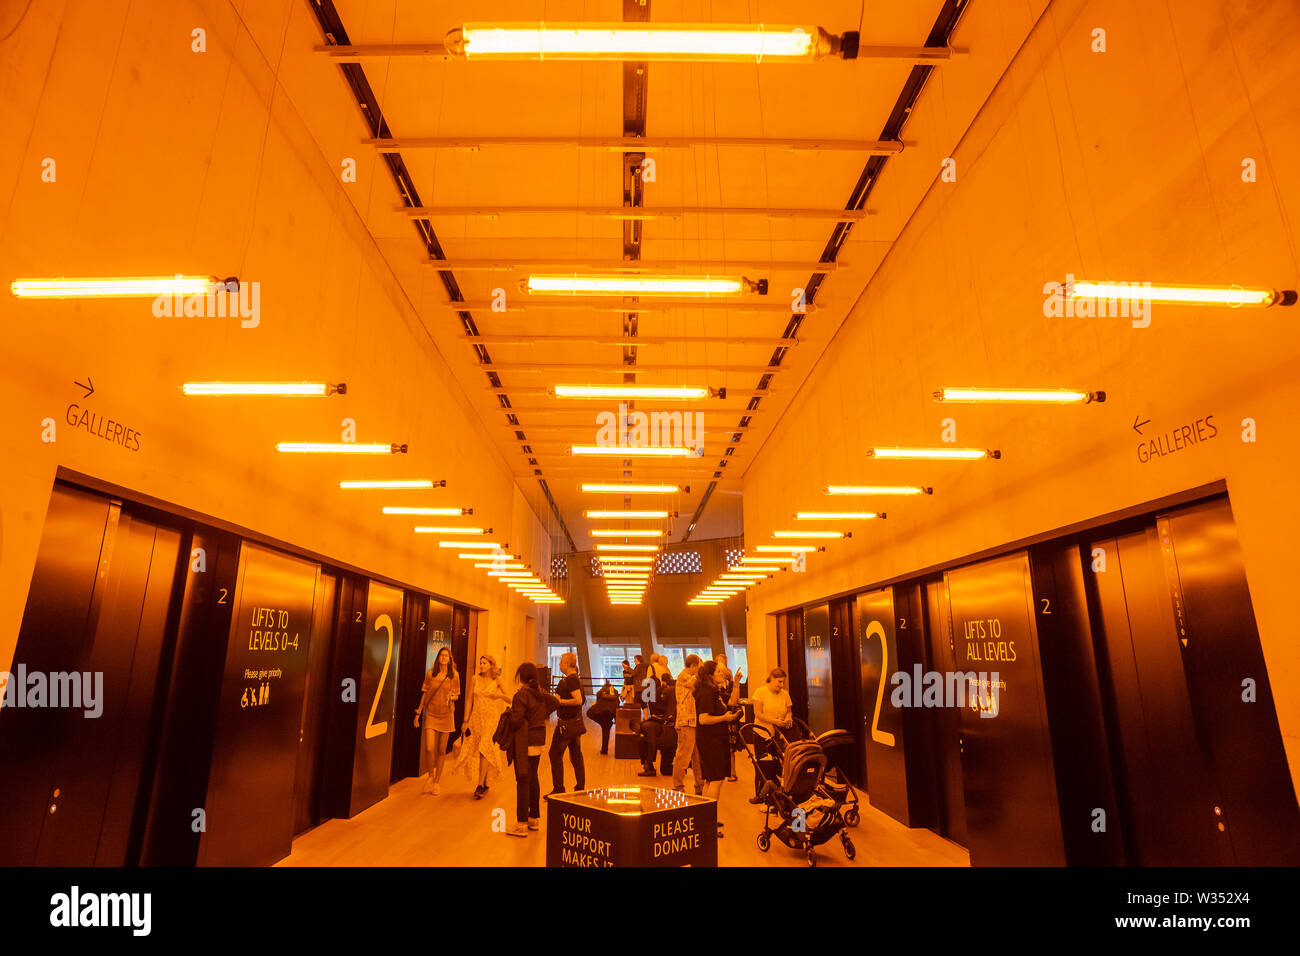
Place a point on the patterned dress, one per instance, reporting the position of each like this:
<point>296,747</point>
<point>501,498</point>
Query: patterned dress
<point>481,726</point>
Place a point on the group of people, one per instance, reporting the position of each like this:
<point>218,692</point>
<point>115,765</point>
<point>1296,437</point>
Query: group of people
<point>687,721</point>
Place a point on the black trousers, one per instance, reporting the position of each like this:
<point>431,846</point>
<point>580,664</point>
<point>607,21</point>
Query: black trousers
<point>528,790</point>
<point>606,722</point>
<point>658,738</point>
<point>560,743</point>
<point>769,759</point>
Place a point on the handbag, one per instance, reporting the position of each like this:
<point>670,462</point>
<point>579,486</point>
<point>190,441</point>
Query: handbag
<point>571,727</point>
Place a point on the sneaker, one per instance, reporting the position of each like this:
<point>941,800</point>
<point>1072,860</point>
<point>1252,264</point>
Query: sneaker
<point>534,823</point>
<point>479,791</point>
<point>435,790</point>
<point>647,772</point>
<point>518,829</point>
<point>756,800</point>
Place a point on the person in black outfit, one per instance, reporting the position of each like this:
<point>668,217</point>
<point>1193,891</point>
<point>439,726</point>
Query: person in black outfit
<point>715,716</point>
<point>527,726</point>
<point>569,727</point>
<point>603,712</point>
<point>658,734</point>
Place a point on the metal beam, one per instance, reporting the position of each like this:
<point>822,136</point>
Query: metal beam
<point>639,212</point>
<point>527,339</point>
<point>648,304</point>
<point>622,265</point>
<point>723,367</point>
<point>871,147</point>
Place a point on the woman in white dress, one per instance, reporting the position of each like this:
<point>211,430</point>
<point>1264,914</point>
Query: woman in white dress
<point>488,701</point>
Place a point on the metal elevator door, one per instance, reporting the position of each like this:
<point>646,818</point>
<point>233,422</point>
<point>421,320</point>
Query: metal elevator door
<point>1200,769</point>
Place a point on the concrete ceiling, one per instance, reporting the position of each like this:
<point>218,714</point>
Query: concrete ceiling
<point>503,360</point>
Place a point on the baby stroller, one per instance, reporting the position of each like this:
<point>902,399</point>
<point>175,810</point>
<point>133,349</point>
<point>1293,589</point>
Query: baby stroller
<point>807,812</point>
<point>838,746</point>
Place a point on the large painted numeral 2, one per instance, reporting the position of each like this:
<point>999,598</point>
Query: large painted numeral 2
<point>384,622</point>
<point>874,629</point>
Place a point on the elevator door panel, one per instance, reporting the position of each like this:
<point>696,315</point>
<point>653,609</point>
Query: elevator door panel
<point>1222,653</point>
<point>249,808</point>
<point>1167,783</point>
<point>947,720</point>
<point>793,647</point>
<point>77,536</point>
<point>817,664</point>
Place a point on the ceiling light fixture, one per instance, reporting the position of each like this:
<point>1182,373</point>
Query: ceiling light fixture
<point>391,484</point>
<point>627,547</point>
<point>635,451</point>
<point>812,534</point>
<point>877,490</point>
<point>435,512</point>
<point>632,392</point>
<point>1041,396</point>
<point>425,529</point>
<point>339,448</point>
<point>837,515</point>
<point>281,389</point>
<point>691,43</point>
<point>640,285</point>
<point>617,489</point>
<point>1184,294</point>
<point>934,454</point>
<point>117,288</point>
<point>626,514</point>
<point>625,533</point>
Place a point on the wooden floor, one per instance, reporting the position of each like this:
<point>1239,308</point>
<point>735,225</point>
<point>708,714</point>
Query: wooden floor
<point>453,829</point>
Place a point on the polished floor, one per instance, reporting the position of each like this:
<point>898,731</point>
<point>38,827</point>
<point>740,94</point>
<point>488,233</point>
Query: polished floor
<point>453,829</point>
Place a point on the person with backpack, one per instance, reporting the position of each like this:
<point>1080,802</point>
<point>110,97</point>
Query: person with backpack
<point>525,736</point>
<point>657,734</point>
<point>603,712</point>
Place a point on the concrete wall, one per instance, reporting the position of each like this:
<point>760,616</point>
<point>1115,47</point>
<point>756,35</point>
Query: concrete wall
<point>167,161</point>
<point>1123,165</point>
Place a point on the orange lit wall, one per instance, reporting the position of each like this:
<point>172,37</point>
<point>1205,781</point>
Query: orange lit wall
<point>1121,165</point>
<point>167,160</point>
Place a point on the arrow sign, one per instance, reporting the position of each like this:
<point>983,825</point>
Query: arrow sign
<point>90,389</point>
<point>1137,425</point>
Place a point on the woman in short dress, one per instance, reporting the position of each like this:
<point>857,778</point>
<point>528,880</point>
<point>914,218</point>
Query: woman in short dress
<point>711,739</point>
<point>487,703</point>
<point>438,699</point>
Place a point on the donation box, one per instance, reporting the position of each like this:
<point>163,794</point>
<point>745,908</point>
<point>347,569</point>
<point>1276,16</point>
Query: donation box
<point>631,826</point>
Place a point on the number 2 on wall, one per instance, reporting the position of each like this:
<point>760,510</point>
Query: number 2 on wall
<point>373,729</point>
<point>874,629</point>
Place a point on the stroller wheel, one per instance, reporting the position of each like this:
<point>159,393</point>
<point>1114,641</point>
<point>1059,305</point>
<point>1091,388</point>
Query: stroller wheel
<point>852,818</point>
<point>812,858</point>
<point>849,849</point>
<point>764,841</point>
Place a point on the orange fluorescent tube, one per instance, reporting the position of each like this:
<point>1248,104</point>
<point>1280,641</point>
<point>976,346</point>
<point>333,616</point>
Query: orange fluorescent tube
<point>337,448</point>
<point>633,451</point>
<point>623,489</point>
<point>934,454</point>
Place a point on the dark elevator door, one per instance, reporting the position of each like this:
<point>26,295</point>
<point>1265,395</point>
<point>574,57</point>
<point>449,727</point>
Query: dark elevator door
<point>1202,778</point>
<point>100,610</point>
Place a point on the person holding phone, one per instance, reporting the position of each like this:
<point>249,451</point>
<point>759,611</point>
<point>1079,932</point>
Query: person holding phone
<point>715,718</point>
<point>438,698</point>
